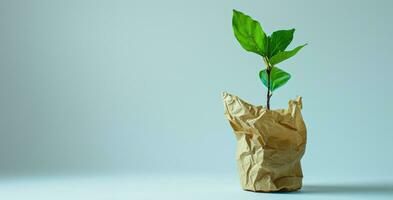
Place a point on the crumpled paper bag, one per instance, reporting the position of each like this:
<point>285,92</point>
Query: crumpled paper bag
<point>270,144</point>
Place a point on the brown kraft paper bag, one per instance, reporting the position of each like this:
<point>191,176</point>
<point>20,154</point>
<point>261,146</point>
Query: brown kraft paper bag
<point>270,144</point>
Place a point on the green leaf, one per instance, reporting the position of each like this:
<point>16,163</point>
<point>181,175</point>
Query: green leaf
<point>249,33</point>
<point>278,77</point>
<point>279,41</point>
<point>283,55</point>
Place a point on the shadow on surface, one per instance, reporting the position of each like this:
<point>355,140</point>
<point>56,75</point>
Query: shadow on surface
<point>382,188</point>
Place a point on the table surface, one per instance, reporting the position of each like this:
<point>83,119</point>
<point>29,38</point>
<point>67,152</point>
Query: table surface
<point>143,186</point>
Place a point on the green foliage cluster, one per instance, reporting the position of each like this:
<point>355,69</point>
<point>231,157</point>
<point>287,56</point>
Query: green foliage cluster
<point>273,48</point>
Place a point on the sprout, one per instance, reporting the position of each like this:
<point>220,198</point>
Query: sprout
<point>272,48</point>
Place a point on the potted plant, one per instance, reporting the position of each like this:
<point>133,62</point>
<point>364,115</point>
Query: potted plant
<point>270,143</point>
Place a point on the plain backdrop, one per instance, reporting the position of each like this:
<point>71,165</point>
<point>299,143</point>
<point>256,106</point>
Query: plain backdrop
<point>135,86</point>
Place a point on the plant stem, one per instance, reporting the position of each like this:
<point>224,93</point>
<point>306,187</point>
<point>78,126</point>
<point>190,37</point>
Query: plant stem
<point>268,90</point>
<point>269,93</point>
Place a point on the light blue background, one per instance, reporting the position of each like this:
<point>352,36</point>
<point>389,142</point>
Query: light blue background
<point>134,86</point>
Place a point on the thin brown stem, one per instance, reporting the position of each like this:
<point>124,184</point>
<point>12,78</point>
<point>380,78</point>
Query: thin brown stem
<point>268,70</point>
<point>268,89</point>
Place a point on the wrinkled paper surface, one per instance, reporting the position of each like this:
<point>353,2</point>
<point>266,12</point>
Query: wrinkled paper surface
<point>270,144</point>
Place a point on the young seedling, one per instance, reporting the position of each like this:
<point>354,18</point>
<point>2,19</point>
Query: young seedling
<point>272,48</point>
